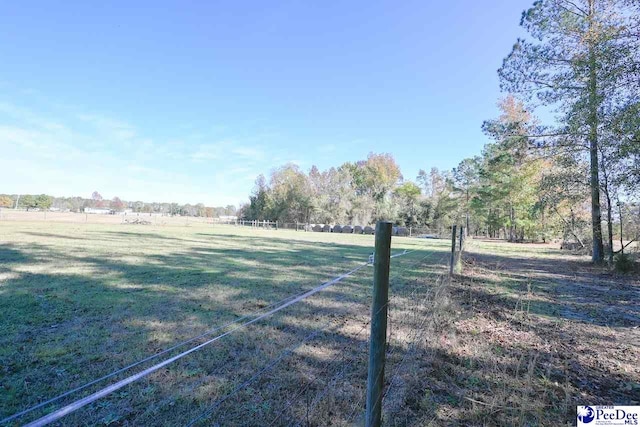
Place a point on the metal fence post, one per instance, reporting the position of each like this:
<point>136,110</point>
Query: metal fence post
<point>378,341</point>
<point>453,249</point>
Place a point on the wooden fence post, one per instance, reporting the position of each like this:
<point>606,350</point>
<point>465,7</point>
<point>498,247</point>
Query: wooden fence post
<point>453,250</point>
<point>378,341</point>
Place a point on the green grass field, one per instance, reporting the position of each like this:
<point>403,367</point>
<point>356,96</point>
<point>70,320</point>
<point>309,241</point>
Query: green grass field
<point>81,300</point>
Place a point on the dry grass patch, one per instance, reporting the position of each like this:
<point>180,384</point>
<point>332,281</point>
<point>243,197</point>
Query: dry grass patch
<point>528,339</point>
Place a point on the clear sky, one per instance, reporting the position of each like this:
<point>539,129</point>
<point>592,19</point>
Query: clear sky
<point>190,101</point>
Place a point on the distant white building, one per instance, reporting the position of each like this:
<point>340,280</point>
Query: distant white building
<point>101,211</point>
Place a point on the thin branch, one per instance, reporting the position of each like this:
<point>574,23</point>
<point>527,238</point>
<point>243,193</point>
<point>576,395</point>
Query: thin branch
<point>624,247</point>
<point>570,11</point>
<point>577,7</point>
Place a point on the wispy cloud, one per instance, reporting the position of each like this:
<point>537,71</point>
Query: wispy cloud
<point>117,129</point>
<point>66,152</point>
<point>326,148</point>
<point>213,151</point>
<point>250,153</point>
<point>228,150</point>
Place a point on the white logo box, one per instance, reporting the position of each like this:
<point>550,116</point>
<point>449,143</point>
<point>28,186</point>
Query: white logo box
<point>591,416</point>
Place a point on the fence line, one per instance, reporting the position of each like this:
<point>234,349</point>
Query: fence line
<point>398,231</point>
<point>455,261</point>
<point>325,390</point>
<point>390,353</point>
<point>267,368</point>
<point>341,372</point>
<point>165,219</point>
<point>353,303</point>
<point>388,305</point>
<point>72,407</point>
<point>343,355</point>
<point>419,332</point>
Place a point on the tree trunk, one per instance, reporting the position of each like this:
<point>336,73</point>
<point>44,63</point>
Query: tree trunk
<point>596,218</point>
<point>621,230</point>
<point>544,226</point>
<point>610,228</point>
<point>607,194</point>
<point>511,225</point>
<point>466,229</point>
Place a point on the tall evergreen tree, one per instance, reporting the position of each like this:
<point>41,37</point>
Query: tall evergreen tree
<point>579,58</point>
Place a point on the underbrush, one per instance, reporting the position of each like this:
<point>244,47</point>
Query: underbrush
<point>624,263</point>
<point>481,367</point>
<point>521,349</point>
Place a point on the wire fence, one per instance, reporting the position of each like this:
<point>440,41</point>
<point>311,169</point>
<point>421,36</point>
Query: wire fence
<point>399,231</point>
<point>309,369</point>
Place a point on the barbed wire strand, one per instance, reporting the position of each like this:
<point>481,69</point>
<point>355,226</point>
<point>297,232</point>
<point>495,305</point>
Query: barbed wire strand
<point>418,334</point>
<point>362,329</point>
<point>321,395</point>
<point>146,359</point>
<point>417,330</point>
<point>387,357</point>
<point>197,383</point>
<point>337,376</point>
<point>74,406</point>
<point>149,358</point>
<point>283,302</point>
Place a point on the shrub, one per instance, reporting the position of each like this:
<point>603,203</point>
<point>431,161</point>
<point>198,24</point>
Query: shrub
<point>623,263</point>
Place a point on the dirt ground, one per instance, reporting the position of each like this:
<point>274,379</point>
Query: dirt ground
<point>533,332</point>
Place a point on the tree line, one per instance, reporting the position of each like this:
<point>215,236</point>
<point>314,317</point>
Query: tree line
<point>79,204</point>
<point>535,180</point>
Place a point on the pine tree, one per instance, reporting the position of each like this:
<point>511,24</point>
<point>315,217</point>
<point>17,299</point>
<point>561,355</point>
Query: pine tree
<point>580,59</point>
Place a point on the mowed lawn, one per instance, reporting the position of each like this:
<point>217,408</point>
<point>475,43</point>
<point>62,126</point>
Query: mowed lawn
<point>78,301</point>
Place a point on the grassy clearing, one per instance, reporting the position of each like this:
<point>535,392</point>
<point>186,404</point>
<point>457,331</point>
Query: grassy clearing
<point>81,300</point>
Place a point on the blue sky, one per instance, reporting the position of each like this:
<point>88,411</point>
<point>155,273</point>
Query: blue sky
<point>190,101</point>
